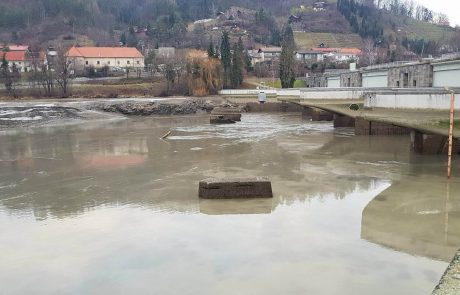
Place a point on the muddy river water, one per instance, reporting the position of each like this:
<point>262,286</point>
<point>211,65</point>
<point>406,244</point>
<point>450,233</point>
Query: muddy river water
<point>110,208</point>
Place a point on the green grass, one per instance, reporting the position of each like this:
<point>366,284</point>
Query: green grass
<point>415,29</point>
<point>277,84</point>
<point>308,40</point>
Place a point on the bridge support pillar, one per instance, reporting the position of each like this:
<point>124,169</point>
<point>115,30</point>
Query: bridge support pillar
<point>306,112</point>
<point>431,144</point>
<point>343,121</point>
<point>320,115</point>
<point>369,128</point>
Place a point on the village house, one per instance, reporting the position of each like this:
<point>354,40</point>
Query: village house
<point>309,55</point>
<point>18,55</point>
<point>340,54</point>
<point>269,53</point>
<point>82,58</point>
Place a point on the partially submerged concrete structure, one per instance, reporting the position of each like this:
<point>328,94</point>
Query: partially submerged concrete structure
<point>221,115</point>
<point>234,188</point>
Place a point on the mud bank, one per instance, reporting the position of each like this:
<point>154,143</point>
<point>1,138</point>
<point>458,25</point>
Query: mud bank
<point>38,113</point>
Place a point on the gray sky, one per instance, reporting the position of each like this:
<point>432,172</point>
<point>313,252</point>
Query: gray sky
<point>449,7</point>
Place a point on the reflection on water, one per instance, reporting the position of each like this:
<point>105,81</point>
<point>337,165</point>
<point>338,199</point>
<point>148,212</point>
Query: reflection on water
<point>425,217</point>
<point>112,208</point>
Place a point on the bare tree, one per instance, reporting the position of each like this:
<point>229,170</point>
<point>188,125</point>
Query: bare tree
<point>64,72</point>
<point>369,52</point>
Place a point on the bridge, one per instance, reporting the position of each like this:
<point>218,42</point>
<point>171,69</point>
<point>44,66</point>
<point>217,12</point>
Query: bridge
<point>422,113</point>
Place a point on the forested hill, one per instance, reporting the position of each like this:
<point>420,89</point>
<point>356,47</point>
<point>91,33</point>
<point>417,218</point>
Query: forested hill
<point>103,21</point>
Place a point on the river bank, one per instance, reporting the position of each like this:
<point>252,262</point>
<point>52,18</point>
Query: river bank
<point>44,112</point>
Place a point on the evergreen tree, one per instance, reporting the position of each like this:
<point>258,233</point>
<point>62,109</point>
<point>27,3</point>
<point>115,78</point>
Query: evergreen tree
<point>287,74</point>
<point>236,74</point>
<point>211,51</point>
<point>123,39</point>
<point>226,58</point>
<point>5,75</point>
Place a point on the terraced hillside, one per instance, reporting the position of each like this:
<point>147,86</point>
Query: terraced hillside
<point>307,40</point>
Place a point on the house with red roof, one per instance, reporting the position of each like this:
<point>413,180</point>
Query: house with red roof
<point>100,57</point>
<point>18,55</point>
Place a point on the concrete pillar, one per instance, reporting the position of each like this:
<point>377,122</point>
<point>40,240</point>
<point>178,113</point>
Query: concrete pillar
<point>320,115</point>
<point>428,143</point>
<point>365,127</point>
<point>343,121</point>
<point>306,113</point>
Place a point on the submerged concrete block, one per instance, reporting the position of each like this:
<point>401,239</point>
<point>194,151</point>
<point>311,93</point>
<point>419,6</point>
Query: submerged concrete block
<point>233,188</point>
<point>221,119</point>
<point>228,113</point>
<point>221,115</point>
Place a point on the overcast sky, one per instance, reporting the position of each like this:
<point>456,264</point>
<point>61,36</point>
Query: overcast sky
<point>449,7</point>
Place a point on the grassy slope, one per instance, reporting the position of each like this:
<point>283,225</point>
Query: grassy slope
<point>421,30</point>
<point>310,40</point>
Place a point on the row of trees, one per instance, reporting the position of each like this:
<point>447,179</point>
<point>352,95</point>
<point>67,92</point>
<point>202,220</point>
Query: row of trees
<point>362,18</point>
<point>52,79</point>
<point>233,61</point>
<point>412,9</point>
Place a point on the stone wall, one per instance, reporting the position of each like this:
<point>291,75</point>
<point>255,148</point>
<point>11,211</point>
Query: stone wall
<point>411,76</point>
<point>352,79</point>
<point>316,81</point>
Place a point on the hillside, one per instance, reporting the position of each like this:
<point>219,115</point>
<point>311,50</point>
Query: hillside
<point>336,23</point>
<point>310,40</point>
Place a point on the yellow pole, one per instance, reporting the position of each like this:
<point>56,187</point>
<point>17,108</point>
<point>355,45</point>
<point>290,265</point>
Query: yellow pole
<point>451,134</point>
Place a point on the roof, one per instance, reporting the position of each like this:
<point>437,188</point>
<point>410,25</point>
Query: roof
<point>15,55</point>
<point>301,51</point>
<point>18,47</point>
<point>107,52</point>
<point>270,49</point>
<point>355,51</point>
<point>324,50</point>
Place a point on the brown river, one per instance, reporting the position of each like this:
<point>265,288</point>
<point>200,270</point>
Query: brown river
<point>110,208</point>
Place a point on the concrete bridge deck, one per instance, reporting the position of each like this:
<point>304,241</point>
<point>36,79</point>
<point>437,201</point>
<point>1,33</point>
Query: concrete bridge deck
<point>424,120</point>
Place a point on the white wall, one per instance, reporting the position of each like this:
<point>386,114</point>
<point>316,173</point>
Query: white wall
<point>325,94</point>
<point>411,101</point>
<point>333,82</point>
<point>446,74</point>
<point>375,79</point>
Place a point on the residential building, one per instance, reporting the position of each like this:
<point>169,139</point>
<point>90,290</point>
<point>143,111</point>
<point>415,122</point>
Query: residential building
<point>309,55</point>
<point>18,55</point>
<point>100,57</point>
<point>269,53</point>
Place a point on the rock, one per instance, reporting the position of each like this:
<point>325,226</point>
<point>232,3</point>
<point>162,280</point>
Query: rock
<point>233,188</point>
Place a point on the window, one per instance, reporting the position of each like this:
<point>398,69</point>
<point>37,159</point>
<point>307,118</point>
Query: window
<point>138,62</point>
<point>415,83</point>
<point>349,82</point>
<point>118,62</point>
<point>108,62</point>
<point>98,62</point>
<point>86,62</point>
<point>398,84</point>
<point>127,62</point>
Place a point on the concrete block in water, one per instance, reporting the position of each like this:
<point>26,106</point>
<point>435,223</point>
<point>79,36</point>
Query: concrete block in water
<point>221,115</point>
<point>221,119</point>
<point>233,188</point>
<point>233,114</point>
